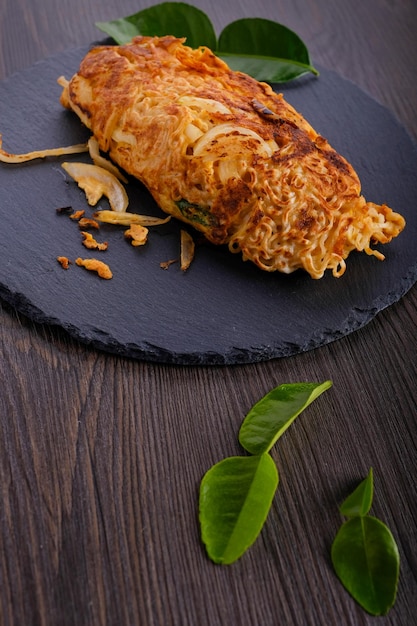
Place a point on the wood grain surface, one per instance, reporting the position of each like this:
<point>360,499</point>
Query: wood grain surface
<point>101,457</point>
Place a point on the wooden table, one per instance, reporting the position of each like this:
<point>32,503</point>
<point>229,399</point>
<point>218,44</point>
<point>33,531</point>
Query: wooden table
<point>101,456</point>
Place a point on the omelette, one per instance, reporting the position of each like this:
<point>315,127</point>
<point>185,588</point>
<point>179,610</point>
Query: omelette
<point>227,155</point>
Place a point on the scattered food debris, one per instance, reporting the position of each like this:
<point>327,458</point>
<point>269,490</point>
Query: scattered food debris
<point>165,264</point>
<point>64,210</point>
<point>64,261</point>
<point>77,215</point>
<point>93,265</point>
<point>137,234</point>
<point>91,243</point>
<point>87,222</point>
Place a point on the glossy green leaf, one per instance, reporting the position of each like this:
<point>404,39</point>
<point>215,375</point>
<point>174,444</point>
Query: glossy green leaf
<point>167,18</point>
<point>366,560</point>
<point>274,413</point>
<point>235,498</point>
<point>261,48</point>
<point>264,69</point>
<point>360,501</point>
<point>264,49</point>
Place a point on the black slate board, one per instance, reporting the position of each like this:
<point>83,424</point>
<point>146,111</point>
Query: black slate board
<point>222,311</point>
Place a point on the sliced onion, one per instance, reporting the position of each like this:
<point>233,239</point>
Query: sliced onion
<point>101,161</point>
<point>228,129</point>
<point>7,157</point>
<point>187,250</point>
<point>126,219</point>
<point>205,104</point>
<point>193,133</point>
<point>96,182</point>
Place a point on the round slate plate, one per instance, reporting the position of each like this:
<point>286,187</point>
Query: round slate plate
<point>222,310</point>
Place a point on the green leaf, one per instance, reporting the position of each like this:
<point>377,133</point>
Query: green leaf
<point>235,498</point>
<point>274,413</point>
<point>360,501</point>
<point>257,36</point>
<point>122,30</point>
<point>265,69</point>
<point>366,560</point>
<point>261,48</point>
<point>167,18</point>
<point>264,49</point>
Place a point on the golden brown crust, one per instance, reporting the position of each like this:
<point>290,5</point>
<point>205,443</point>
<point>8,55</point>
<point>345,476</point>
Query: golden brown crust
<point>226,154</point>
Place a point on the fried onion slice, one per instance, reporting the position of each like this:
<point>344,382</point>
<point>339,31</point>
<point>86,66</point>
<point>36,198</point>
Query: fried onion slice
<point>97,182</point>
<point>126,219</point>
<point>187,250</point>
<point>98,159</point>
<point>8,157</point>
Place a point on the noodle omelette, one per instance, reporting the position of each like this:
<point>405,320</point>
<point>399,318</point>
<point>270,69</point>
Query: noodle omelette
<point>226,154</point>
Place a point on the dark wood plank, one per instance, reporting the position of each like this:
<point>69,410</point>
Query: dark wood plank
<point>101,457</point>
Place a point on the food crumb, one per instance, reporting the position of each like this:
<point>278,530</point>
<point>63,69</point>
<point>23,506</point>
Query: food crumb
<point>165,264</point>
<point>63,261</point>
<point>102,269</point>
<point>77,215</point>
<point>137,234</point>
<point>86,222</point>
<point>64,210</point>
<point>91,243</point>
